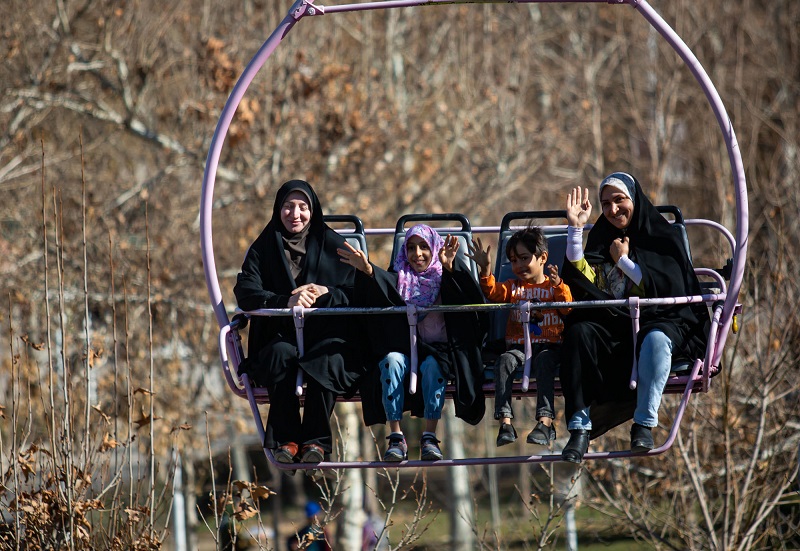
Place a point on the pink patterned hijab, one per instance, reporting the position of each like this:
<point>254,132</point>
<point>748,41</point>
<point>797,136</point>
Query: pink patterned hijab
<point>420,289</point>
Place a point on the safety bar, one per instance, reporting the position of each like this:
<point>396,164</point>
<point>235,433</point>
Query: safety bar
<point>412,312</point>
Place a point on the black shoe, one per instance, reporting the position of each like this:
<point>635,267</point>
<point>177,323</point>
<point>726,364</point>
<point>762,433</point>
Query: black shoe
<point>577,446</point>
<point>506,435</point>
<point>312,453</point>
<point>542,434</point>
<point>641,438</point>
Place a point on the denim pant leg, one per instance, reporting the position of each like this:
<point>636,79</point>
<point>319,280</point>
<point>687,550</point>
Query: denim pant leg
<point>655,361</point>
<point>433,383</point>
<point>580,420</point>
<point>393,371</point>
<point>504,369</point>
<point>545,367</point>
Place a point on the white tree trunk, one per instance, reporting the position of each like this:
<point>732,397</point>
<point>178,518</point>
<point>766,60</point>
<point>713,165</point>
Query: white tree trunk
<point>354,516</point>
<point>462,517</point>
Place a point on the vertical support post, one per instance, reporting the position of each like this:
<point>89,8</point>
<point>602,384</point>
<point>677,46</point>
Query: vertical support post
<point>411,314</point>
<point>299,323</point>
<point>525,318</point>
<point>633,304</point>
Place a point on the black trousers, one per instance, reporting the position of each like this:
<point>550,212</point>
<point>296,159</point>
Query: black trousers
<point>596,361</point>
<point>277,370</point>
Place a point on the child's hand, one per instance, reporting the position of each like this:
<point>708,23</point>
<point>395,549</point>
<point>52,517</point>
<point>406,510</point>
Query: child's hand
<point>578,209</point>
<point>447,254</point>
<point>482,257</point>
<point>357,259</point>
<point>552,274</point>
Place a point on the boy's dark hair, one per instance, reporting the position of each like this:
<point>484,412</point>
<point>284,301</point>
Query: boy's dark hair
<point>531,237</point>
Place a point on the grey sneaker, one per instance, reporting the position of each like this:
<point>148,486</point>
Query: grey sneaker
<point>429,449</point>
<point>397,450</point>
<point>542,434</point>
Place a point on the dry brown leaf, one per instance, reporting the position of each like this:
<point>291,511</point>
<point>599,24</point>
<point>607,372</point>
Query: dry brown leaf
<point>240,485</point>
<point>108,443</point>
<point>261,492</point>
<point>144,419</point>
<point>244,511</point>
<point>183,426</point>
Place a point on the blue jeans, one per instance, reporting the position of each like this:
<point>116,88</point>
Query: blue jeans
<point>394,368</point>
<point>655,362</point>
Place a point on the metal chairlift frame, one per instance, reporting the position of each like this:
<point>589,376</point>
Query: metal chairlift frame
<point>725,304</point>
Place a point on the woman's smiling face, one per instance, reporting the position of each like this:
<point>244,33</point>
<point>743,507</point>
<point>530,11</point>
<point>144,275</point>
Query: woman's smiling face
<point>419,253</point>
<point>295,212</point>
<point>617,207</point>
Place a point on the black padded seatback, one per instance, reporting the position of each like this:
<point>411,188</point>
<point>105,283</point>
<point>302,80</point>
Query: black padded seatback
<point>356,237</point>
<point>556,247</point>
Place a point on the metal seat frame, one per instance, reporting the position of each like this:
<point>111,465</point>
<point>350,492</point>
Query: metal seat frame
<point>725,304</point>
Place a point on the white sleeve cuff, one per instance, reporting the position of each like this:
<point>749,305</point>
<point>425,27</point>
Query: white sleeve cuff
<point>574,243</point>
<point>630,269</point>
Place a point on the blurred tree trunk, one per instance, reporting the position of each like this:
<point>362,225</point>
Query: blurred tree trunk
<point>462,516</point>
<point>353,517</point>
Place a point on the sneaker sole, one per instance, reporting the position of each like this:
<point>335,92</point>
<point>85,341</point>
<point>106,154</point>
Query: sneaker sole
<point>311,456</point>
<point>505,442</point>
<point>539,441</point>
<point>393,458</point>
<point>431,457</point>
<point>571,460</point>
<point>284,457</point>
<point>639,448</point>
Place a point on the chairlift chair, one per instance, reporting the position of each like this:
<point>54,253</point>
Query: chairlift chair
<point>721,296</point>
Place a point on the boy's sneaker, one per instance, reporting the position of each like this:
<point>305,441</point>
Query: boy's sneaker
<point>397,450</point>
<point>506,435</point>
<point>429,448</point>
<point>542,434</point>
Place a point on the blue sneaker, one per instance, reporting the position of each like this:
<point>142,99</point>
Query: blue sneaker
<point>429,448</point>
<point>397,450</point>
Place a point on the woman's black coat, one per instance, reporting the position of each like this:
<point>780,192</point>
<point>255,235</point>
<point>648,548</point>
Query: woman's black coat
<point>667,271</point>
<point>266,282</point>
<point>459,358</point>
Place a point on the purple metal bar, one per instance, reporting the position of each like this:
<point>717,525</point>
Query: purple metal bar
<point>673,433</point>
<point>693,299</point>
<point>322,10</point>
<point>723,316</point>
<point>715,225</point>
<point>713,333</point>
<point>707,272</point>
<point>215,150</point>
<point>525,318</point>
<point>633,306</point>
<point>411,314</point>
<point>734,156</point>
<point>299,323</point>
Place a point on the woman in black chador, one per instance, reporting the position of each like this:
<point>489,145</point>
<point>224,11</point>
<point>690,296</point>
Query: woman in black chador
<point>631,251</point>
<point>294,262</point>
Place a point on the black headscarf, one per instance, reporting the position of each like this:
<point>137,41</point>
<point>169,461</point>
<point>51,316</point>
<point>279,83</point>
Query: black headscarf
<point>267,279</point>
<point>667,271</point>
<point>294,244</point>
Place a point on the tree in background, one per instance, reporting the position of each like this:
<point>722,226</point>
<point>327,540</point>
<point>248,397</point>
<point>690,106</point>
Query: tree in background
<point>454,108</point>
